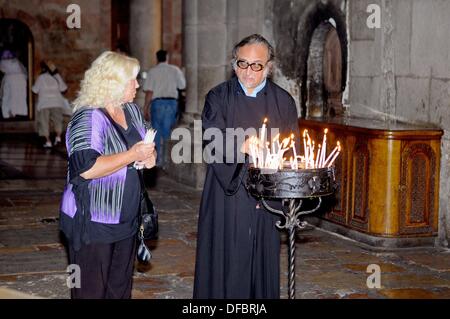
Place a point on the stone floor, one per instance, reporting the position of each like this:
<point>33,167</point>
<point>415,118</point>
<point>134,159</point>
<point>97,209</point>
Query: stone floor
<point>33,260</point>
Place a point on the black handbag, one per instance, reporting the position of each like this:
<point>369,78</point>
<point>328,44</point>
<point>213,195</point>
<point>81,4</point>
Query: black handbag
<point>148,217</point>
<point>148,224</point>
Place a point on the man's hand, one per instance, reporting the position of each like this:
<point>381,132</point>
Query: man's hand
<point>245,147</point>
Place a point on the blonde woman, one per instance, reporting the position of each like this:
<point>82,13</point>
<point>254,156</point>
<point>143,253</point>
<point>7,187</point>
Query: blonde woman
<point>99,211</point>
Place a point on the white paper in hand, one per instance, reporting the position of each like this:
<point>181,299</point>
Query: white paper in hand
<point>149,136</point>
<point>148,139</point>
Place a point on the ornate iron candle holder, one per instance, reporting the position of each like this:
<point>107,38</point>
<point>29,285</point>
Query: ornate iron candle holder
<point>292,187</point>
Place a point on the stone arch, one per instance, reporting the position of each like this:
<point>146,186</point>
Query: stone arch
<point>313,17</point>
<point>16,36</point>
<point>315,78</point>
<point>34,25</point>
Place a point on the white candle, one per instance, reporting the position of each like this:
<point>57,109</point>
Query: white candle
<point>252,151</point>
<point>334,157</point>
<point>293,149</point>
<point>318,157</point>
<point>324,148</point>
<point>263,131</point>
<point>304,143</point>
<point>275,142</point>
<point>332,154</point>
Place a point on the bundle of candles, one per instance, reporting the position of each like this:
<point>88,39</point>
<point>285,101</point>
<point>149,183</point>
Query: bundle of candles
<point>271,156</point>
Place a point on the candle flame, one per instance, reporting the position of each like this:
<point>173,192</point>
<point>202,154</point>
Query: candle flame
<point>265,120</point>
<point>326,131</point>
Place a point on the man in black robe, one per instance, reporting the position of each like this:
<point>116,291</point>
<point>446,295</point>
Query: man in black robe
<point>238,244</point>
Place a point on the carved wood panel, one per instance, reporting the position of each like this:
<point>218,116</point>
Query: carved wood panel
<point>417,189</point>
<point>339,212</point>
<point>359,185</point>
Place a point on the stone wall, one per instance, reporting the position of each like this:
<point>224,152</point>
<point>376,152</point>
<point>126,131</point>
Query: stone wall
<point>72,50</point>
<point>399,71</point>
<point>292,27</point>
<point>210,29</point>
<point>402,71</point>
<point>172,37</point>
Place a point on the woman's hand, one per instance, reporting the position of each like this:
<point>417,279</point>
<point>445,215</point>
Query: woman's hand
<point>142,152</point>
<point>149,162</point>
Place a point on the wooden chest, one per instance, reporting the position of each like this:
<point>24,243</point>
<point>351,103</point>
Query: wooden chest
<point>388,180</point>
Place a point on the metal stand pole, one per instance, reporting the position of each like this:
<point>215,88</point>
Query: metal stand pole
<point>291,280</point>
<point>292,223</point>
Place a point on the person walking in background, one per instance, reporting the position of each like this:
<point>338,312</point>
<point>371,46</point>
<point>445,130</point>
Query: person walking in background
<point>161,106</point>
<point>14,86</point>
<point>50,104</point>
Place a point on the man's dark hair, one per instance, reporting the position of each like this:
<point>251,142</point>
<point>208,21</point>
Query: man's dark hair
<point>161,56</point>
<point>254,39</point>
<point>44,67</point>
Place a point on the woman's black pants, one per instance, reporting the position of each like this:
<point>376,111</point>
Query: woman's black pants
<point>106,269</point>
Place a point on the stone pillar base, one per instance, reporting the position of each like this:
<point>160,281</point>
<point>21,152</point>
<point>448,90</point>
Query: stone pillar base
<point>191,173</point>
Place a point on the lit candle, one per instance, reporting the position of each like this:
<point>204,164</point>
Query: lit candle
<point>305,149</point>
<point>318,157</point>
<point>324,148</point>
<point>275,140</point>
<point>335,156</point>
<point>308,154</point>
<point>293,149</point>
<point>267,157</point>
<point>252,150</point>
<point>263,131</point>
<point>332,154</point>
<point>309,144</point>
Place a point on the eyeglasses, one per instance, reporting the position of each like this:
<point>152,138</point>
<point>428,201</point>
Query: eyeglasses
<point>254,66</point>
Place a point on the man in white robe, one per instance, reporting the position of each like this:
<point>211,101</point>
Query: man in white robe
<point>14,88</point>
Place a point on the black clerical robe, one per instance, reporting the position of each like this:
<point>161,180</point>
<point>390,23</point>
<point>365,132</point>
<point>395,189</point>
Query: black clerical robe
<point>238,244</point>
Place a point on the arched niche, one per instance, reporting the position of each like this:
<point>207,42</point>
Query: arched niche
<point>321,30</point>
<point>16,36</point>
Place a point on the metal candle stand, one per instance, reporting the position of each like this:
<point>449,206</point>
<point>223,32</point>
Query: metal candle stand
<point>292,187</point>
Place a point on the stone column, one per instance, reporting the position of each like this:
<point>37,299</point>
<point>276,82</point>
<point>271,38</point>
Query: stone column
<point>145,34</point>
<point>388,90</point>
<point>190,48</point>
<point>205,49</point>
<point>204,56</point>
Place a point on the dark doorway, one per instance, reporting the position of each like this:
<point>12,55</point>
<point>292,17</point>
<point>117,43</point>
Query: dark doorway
<point>120,26</point>
<point>324,72</point>
<point>16,37</point>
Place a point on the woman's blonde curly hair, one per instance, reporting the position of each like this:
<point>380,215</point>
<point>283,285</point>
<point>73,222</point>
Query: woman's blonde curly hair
<point>105,81</point>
